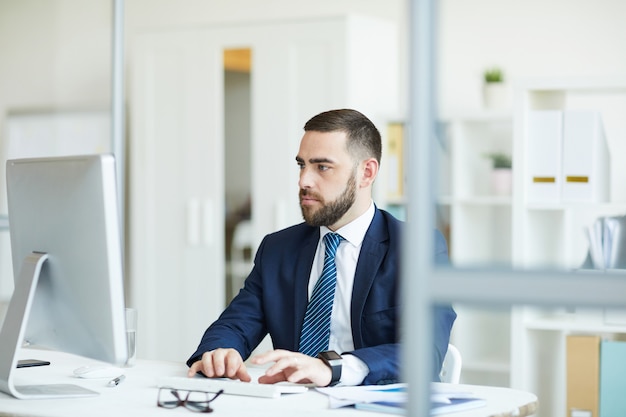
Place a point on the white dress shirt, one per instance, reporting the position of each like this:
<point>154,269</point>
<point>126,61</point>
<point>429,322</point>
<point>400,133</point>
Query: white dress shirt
<point>354,370</point>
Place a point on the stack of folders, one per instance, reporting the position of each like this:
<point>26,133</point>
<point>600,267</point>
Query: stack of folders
<point>596,377</point>
<point>607,243</point>
<point>567,157</point>
<point>392,399</point>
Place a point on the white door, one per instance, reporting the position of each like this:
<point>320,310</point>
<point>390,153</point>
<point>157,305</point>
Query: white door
<point>175,263</point>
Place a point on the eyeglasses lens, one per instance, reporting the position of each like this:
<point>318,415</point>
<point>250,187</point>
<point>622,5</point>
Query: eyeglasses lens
<point>197,401</point>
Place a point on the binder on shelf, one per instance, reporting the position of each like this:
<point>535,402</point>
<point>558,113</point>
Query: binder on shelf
<point>544,140</point>
<point>607,244</point>
<point>586,163</point>
<point>395,139</point>
<point>583,375</point>
<point>612,378</point>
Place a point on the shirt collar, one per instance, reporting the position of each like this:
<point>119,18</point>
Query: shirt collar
<point>354,232</point>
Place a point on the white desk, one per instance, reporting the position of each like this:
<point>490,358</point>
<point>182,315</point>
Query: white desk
<point>137,395</point>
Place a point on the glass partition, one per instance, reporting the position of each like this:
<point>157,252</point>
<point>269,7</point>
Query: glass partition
<point>517,122</point>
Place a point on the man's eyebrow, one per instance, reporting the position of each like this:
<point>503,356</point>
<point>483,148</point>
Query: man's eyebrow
<point>315,160</point>
<point>321,161</point>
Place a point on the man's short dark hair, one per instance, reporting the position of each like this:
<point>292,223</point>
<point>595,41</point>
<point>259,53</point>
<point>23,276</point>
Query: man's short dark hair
<point>363,137</point>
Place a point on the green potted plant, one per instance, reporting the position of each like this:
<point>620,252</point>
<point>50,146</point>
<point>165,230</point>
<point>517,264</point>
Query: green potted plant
<point>493,75</point>
<point>501,173</point>
<point>494,89</point>
<point>500,160</point>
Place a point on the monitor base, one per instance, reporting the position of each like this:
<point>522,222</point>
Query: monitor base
<point>29,392</point>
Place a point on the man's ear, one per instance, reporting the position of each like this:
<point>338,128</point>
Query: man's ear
<point>369,173</point>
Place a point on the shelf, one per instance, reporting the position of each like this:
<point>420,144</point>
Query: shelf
<point>574,326</point>
<point>486,201</point>
<point>480,116</point>
<point>396,201</point>
<point>599,207</point>
<point>580,320</point>
<point>486,365</point>
<point>574,84</point>
<point>476,201</point>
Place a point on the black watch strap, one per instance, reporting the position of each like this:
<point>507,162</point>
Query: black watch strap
<point>334,361</point>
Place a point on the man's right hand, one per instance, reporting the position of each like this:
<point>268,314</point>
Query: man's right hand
<point>221,363</point>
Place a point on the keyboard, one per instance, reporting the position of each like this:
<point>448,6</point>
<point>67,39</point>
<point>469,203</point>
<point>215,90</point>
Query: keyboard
<point>230,386</point>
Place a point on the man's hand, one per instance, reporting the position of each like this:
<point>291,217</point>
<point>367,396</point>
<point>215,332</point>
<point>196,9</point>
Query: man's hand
<point>221,363</point>
<point>293,367</point>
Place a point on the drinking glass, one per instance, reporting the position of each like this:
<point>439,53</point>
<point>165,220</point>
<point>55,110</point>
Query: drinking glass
<point>131,333</point>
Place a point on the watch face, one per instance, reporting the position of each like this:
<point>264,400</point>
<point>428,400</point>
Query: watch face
<point>331,355</point>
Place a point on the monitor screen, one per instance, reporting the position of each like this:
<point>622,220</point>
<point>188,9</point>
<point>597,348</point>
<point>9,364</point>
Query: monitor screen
<point>66,208</point>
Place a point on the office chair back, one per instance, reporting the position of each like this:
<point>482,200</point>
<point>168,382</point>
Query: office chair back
<point>451,368</point>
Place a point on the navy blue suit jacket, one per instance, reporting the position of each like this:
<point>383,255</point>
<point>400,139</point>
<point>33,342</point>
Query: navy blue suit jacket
<point>275,295</point>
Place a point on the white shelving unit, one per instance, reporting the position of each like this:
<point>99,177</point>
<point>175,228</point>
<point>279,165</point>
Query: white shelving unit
<point>479,235</point>
<point>480,220</point>
<point>482,336</point>
<point>551,236</point>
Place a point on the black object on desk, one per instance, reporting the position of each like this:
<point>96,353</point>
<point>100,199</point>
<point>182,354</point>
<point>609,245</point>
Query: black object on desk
<point>27,363</point>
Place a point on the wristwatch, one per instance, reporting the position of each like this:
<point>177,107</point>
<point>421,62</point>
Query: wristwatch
<point>334,361</point>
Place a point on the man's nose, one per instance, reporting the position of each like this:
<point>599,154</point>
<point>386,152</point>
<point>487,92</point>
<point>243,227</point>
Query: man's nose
<point>306,178</point>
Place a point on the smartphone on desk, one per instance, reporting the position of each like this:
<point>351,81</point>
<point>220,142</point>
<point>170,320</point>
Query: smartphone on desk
<point>28,363</point>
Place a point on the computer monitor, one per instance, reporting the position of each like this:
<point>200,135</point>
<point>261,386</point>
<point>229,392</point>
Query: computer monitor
<point>67,261</point>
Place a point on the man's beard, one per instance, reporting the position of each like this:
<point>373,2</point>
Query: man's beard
<point>329,213</point>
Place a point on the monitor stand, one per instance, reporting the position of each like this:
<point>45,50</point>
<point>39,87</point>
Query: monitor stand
<point>12,334</point>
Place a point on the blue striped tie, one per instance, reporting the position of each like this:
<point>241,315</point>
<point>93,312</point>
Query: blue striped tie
<point>316,327</point>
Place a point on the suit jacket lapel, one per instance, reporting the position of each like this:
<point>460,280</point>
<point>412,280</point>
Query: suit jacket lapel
<point>373,251</point>
<point>303,272</point>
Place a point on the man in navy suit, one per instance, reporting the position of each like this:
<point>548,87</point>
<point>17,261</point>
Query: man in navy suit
<point>339,159</point>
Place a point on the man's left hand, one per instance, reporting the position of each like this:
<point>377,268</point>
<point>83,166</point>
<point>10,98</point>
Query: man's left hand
<point>293,367</point>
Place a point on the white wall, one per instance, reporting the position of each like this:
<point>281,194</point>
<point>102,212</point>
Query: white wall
<point>171,13</point>
<point>36,71</point>
<point>526,38</point>
<point>36,74</point>
<point>56,53</point>
<point>144,15</point>
<point>45,63</point>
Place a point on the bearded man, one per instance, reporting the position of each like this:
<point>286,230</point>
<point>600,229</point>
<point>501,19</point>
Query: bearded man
<point>331,304</point>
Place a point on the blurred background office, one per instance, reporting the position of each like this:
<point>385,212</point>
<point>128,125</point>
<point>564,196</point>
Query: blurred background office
<point>216,93</point>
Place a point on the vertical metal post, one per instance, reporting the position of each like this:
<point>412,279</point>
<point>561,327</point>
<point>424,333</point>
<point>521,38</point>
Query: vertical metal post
<point>118,142</point>
<point>418,257</point>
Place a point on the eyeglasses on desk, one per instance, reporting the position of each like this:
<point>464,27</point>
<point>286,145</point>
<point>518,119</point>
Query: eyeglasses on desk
<point>198,401</point>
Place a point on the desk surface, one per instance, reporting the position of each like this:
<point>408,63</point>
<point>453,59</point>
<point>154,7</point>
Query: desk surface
<point>137,394</point>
